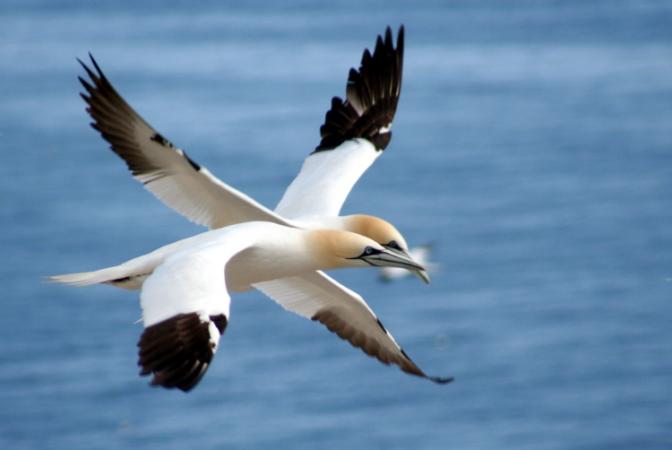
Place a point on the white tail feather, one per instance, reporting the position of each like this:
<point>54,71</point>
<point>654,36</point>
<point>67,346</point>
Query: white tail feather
<point>132,273</point>
<point>128,275</point>
<point>106,275</point>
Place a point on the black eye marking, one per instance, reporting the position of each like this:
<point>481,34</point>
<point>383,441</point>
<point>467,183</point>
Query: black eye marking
<point>394,246</point>
<point>368,251</point>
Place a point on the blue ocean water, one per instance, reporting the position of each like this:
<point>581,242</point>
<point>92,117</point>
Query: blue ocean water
<point>532,146</point>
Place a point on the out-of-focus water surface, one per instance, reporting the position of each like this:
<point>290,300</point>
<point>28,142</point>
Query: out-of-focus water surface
<point>533,146</point>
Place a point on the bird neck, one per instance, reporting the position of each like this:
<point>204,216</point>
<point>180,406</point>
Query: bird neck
<point>334,249</point>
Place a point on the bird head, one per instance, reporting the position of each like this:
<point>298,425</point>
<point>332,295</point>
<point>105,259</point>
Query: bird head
<point>384,233</point>
<point>348,249</point>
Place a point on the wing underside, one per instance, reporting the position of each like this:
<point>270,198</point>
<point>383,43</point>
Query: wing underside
<point>318,297</point>
<point>354,133</point>
<point>185,310</point>
<point>165,170</point>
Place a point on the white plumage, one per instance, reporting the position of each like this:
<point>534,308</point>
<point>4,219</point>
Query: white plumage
<point>326,179</point>
<point>184,286</point>
<point>185,295</point>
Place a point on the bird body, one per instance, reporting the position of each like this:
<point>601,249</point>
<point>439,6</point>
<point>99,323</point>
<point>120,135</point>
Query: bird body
<point>185,292</point>
<point>185,285</point>
<point>267,254</point>
<point>238,256</point>
<point>185,301</point>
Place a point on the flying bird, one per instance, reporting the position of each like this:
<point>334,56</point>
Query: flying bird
<point>185,295</point>
<point>356,131</point>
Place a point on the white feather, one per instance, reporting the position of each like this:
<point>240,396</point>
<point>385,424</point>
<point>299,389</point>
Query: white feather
<point>326,179</point>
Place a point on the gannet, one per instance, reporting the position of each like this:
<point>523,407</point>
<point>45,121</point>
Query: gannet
<point>185,298</point>
<point>354,134</point>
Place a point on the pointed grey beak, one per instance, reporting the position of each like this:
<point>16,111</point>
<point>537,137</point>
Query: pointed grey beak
<point>419,271</point>
<point>423,275</point>
<point>395,258</point>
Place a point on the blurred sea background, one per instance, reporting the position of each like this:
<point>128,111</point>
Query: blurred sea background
<point>532,146</point>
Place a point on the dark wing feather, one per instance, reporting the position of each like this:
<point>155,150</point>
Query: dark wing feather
<point>164,169</point>
<point>372,94</point>
<point>178,351</point>
<point>335,320</point>
<point>319,297</point>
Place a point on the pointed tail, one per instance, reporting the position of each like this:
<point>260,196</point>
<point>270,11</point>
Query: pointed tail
<point>89,278</point>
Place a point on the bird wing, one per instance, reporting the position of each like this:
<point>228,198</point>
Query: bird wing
<point>319,297</point>
<point>165,170</point>
<point>355,132</point>
<point>185,307</point>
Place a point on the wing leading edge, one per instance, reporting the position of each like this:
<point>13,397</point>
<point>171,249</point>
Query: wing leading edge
<point>165,170</point>
<point>354,134</point>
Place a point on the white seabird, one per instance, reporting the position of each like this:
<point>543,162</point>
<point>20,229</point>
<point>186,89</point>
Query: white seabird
<point>355,132</point>
<point>185,300</point>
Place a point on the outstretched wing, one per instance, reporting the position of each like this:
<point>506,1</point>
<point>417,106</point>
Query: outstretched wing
<point>165,170</point>
<point>319,297</point>
<point>355,132</point>
<point>185,310</point>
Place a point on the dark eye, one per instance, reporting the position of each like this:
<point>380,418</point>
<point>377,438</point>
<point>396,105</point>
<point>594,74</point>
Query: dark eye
<point>369,251</point>
<point>394,246</point>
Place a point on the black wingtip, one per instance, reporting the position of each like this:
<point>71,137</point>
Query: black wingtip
<point>94,77</point>
<point>441,380</point>
<point>90,73</point>
<point>85,83</point>
<point>372,95</point>
<point>95,64</point>
<point>178,351</point>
